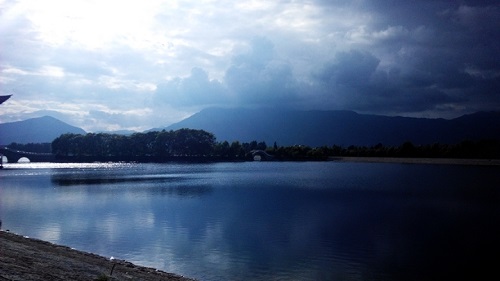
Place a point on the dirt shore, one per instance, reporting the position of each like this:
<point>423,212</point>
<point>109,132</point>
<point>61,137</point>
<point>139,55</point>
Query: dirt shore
<point>29,259</point>
<point>441,161</point>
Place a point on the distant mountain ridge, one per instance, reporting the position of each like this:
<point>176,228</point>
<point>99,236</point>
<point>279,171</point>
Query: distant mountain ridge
<point>293,127</point>
<point>35,130</point>
<point>317,128</point>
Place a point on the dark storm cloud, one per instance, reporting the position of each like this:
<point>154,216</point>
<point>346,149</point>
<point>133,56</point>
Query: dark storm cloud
<point>196,89</point>
<point>353,69</point>
<point>258,78</point>
<point>354,80</point>
<point>431,55</point>
<point>254,77</point>
<point>416,56</point>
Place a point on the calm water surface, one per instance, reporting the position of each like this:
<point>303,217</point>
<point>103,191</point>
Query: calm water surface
<point>267,221</point>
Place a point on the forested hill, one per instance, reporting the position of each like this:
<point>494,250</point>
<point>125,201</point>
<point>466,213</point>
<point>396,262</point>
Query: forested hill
<point>317,128</point>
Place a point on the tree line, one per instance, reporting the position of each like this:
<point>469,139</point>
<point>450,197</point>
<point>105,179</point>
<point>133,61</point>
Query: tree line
<point>162,145</point>
<point>482,149</point>
<point>31,147</point>
<point>190,144</point>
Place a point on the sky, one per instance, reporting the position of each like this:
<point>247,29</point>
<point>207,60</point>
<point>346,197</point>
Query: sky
<point>106,65</point>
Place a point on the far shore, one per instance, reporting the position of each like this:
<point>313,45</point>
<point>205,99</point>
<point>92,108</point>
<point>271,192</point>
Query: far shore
<point>440,161</point>
<point>361,159</point>
<point>23,258</point>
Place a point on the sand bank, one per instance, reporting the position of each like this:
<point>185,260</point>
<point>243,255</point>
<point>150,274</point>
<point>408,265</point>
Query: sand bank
<point>441,161</point>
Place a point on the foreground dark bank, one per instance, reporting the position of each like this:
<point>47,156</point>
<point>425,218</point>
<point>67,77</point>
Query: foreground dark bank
<point>31,259</point>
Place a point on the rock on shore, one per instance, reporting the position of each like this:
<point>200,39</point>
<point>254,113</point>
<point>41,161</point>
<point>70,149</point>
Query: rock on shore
<point>31,259</point>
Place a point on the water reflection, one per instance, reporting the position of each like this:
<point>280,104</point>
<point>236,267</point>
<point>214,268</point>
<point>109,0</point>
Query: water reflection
<point>65,180</point>
<point>306,221</point>
<point>165,185</point>
<point>50,232</point>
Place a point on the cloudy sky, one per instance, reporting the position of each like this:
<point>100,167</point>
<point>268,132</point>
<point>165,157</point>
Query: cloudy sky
<point>127,64</point>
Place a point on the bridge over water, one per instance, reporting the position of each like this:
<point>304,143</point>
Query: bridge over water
<point>13,156</point>
<point>261,155</point>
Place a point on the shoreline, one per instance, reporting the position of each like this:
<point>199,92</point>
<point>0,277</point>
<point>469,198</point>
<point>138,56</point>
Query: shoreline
<point>360,159</point>
<point>29,259</point>
<point>437,161</point>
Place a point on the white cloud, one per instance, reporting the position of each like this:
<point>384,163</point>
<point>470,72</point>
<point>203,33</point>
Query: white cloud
<point>91,23</point>
<point>15,71</point>
<point>391,33</point>
<point>116,83</point>
<point>51,71</point>
<point>46,70</point>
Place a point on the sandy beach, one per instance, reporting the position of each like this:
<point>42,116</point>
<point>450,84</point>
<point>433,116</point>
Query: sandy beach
<point>28,259</point>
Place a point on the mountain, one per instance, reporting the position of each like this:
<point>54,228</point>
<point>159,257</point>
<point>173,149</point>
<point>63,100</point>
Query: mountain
<point>36,130</point>
<point>317,128</point>
<point>118,132</point>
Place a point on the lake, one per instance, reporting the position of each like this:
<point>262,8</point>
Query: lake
<point>266,220</point>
